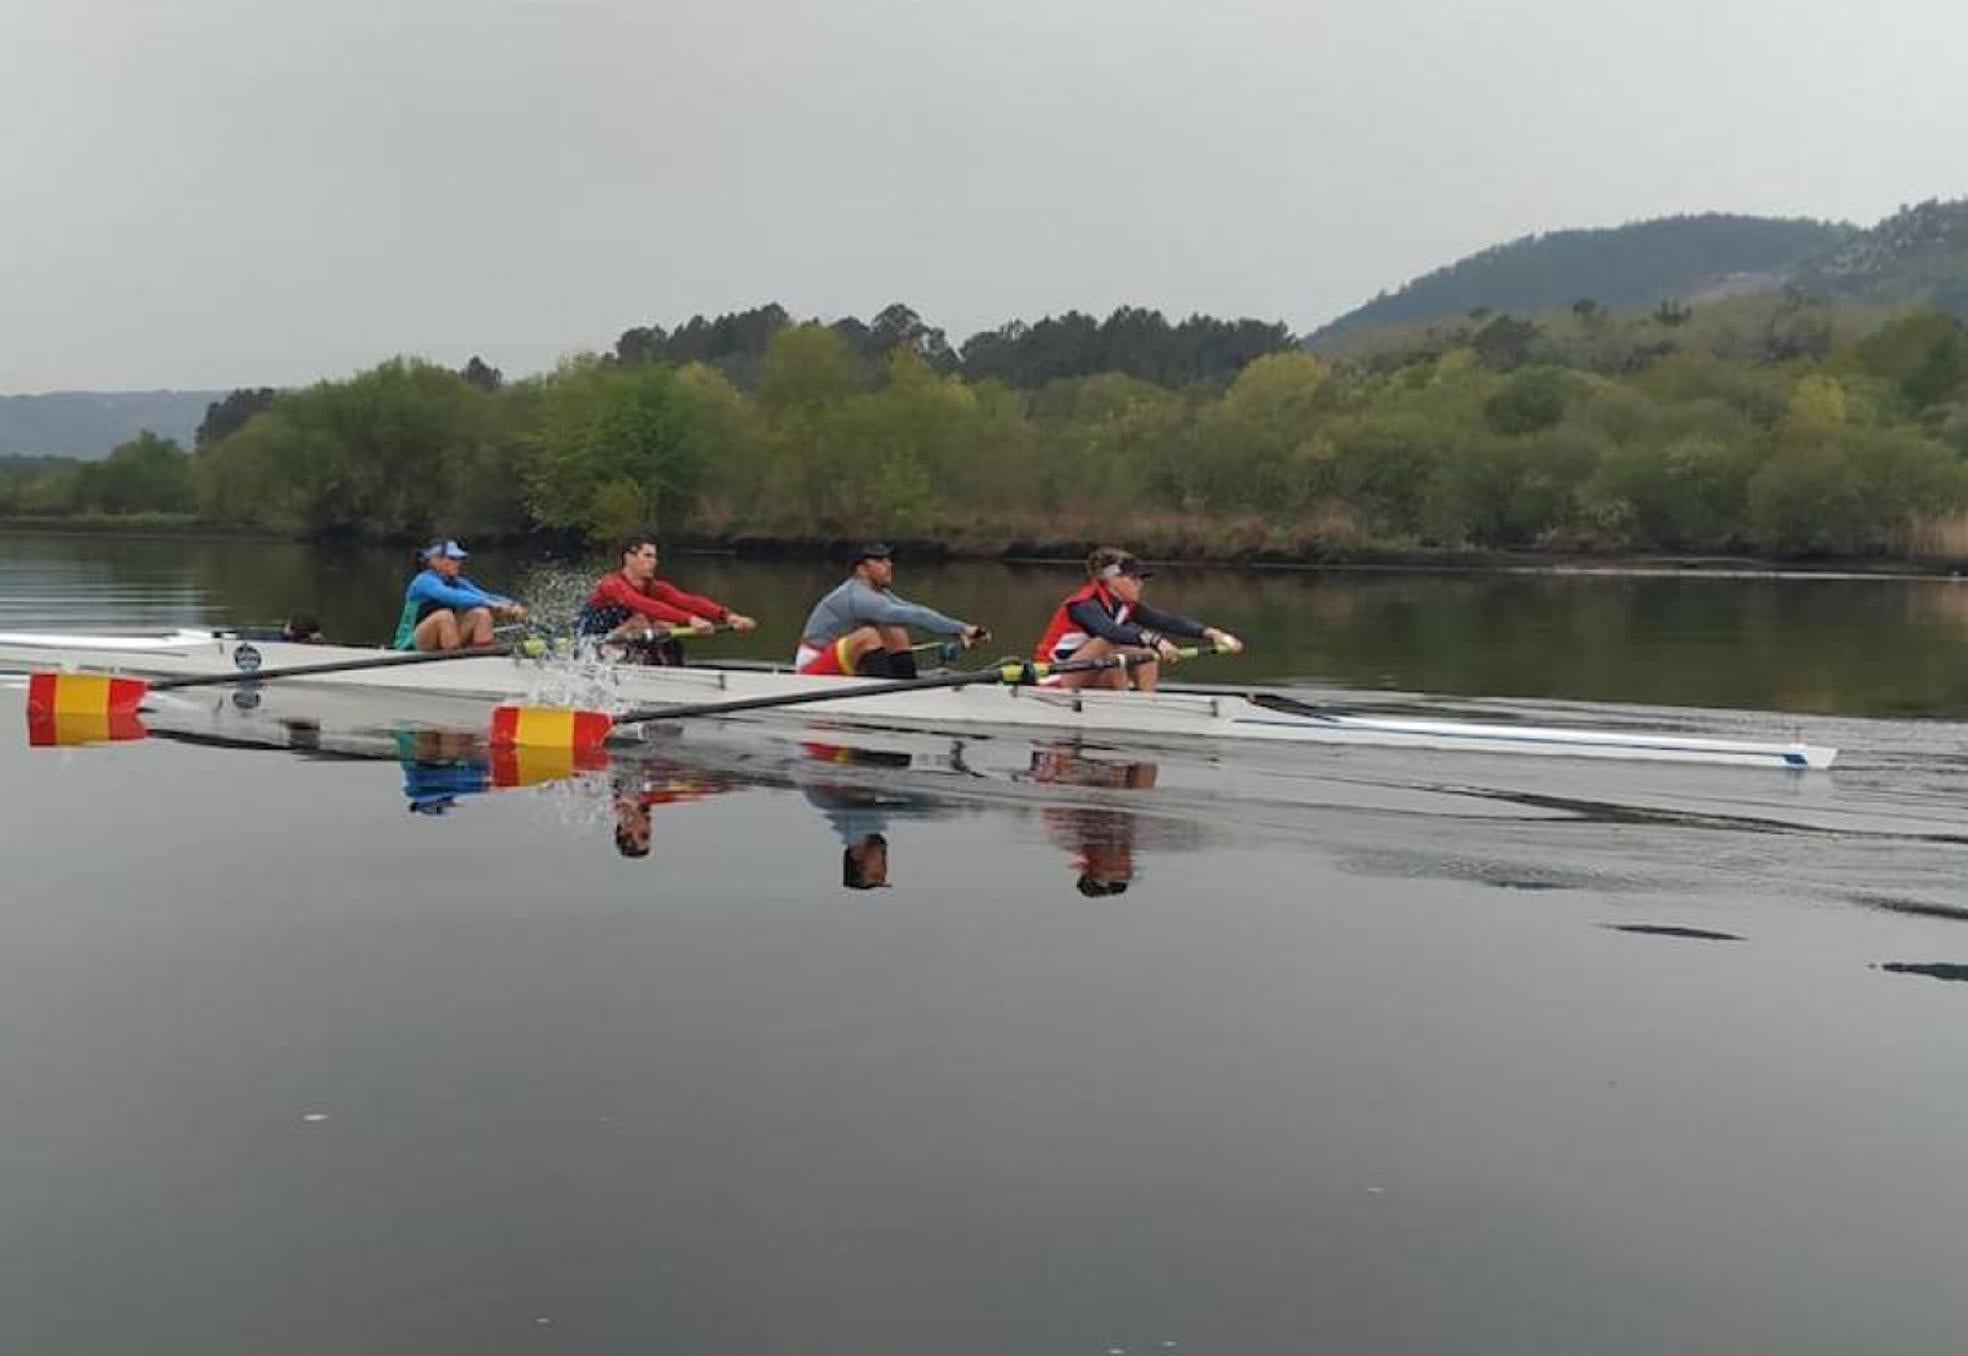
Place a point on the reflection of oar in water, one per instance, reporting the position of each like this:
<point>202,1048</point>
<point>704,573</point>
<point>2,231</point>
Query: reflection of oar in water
<point>546,725</point>
<point>96,694</point>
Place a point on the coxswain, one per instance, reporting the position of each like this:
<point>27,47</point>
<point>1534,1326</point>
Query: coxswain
<point>442,610</point>
<point>861,628</point>
<point>1106,616</point>
<point>632,607</point>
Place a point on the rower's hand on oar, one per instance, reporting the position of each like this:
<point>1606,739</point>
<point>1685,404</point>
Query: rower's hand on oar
<point>1167,650</point>
<point>1223,640</point>
<point>974,635</point>
<point>516,611</point>
<point>701,626</point>
<point>738,621</point>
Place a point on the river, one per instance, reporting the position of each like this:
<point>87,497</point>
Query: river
<point>327,1034</point>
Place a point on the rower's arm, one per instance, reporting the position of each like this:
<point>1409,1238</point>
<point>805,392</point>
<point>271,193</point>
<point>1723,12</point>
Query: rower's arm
<point>886,609</point>
<point>691,604</point>
<point>619,591</point>
<point>463,593</point>
<point>1172,623</point>
<point>1095,620</point>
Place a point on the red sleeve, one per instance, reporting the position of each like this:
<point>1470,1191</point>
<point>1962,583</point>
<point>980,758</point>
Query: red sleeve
<point>694,604</point>
<point>616,589</point>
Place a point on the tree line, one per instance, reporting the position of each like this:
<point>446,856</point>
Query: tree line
<point>1770,425</point>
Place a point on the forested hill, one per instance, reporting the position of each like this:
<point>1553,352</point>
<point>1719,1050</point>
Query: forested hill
<point>90,423</point>
<point>1919,254</point>
<point>1642,264</point>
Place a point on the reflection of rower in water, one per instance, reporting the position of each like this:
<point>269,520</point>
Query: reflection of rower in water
<point>1106,615</point>
<point>859,812</point>
<point>861,628</point>
<point>439,766</point>
<point>642,786</point>
<point>632,609</point>
<point>1101,839</point>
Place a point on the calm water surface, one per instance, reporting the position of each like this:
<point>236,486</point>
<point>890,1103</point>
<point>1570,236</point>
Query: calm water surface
<point>324,1033</point>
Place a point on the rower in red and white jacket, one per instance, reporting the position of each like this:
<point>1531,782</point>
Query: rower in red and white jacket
<point>1106,616</point>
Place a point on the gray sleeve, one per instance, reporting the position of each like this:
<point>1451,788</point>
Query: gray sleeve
<point>886,609</point>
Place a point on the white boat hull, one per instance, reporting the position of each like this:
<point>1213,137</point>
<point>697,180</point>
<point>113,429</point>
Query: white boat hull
<point>1189,715</point>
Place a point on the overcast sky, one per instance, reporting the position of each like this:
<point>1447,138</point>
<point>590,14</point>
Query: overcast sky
<point>210,193</point>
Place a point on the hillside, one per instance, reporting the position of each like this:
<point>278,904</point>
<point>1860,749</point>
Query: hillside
<point>1634,265</point>
<point>1919,254</point>
<point>90,423</point>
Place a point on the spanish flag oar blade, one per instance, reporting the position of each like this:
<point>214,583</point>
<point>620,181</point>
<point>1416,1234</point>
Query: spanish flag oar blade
<point>45,729</point>
<point>82,694</point>
<point>546,727</point>
<point>516,765</point>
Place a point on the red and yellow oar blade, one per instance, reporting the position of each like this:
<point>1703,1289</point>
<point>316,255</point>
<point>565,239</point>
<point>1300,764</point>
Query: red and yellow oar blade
<point>83,694</point>
<point>49,729</point>
<point>515,765</point>
<point>549,727</point>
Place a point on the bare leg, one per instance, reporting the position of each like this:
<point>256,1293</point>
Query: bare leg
<point>477,627</point>
<point>858,644</point>
<point>894,639</point>
<point>1096,648</point>
<point>438,631</point>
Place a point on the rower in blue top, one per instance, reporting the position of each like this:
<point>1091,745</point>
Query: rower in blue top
<point>442,610</point>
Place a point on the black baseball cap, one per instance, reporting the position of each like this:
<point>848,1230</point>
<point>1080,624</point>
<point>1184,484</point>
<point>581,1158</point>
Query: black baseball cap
<point>873,550</point>
<point>1112,558</point>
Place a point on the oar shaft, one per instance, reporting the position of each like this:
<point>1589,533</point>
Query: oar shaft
<point>829,694</point>
<point>388,661</point>
<point>1012,672</point>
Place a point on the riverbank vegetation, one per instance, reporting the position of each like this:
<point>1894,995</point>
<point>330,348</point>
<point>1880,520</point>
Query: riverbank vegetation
<point>1767,425</point>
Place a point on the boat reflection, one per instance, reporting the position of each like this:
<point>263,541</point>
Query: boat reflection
<point>1100,805</point>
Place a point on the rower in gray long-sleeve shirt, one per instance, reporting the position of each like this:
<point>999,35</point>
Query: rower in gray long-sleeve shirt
<point>862,628</point>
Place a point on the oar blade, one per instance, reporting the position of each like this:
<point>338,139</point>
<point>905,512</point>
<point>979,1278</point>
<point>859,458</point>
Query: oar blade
<point>80,694</point>
<point>517,765</point>
<point>547,727</point>
<point>49,729</point>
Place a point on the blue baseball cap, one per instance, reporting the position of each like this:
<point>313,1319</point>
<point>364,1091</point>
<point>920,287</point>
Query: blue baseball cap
<point>448,549</point>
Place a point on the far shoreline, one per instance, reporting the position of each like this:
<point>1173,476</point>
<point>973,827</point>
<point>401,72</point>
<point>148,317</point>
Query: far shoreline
<point>1069,552</point>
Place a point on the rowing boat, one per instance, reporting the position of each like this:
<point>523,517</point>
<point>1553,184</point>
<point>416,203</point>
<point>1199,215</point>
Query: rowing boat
<point>1208,715</point>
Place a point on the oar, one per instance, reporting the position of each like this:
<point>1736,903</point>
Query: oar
<point>540,725</point>
<point>95,693</point>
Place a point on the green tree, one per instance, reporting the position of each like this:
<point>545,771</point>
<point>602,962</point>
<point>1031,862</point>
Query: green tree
<point>1532,400</point>
<point>605,427</point>
<point>148,474</point>
<point>1925,355</point>
<point>806,368</point>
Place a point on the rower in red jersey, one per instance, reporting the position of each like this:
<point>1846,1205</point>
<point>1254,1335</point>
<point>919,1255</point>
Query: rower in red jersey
<point>631,605</point>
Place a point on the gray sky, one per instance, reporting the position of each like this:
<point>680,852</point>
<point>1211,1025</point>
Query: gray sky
<point>210,193</point>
